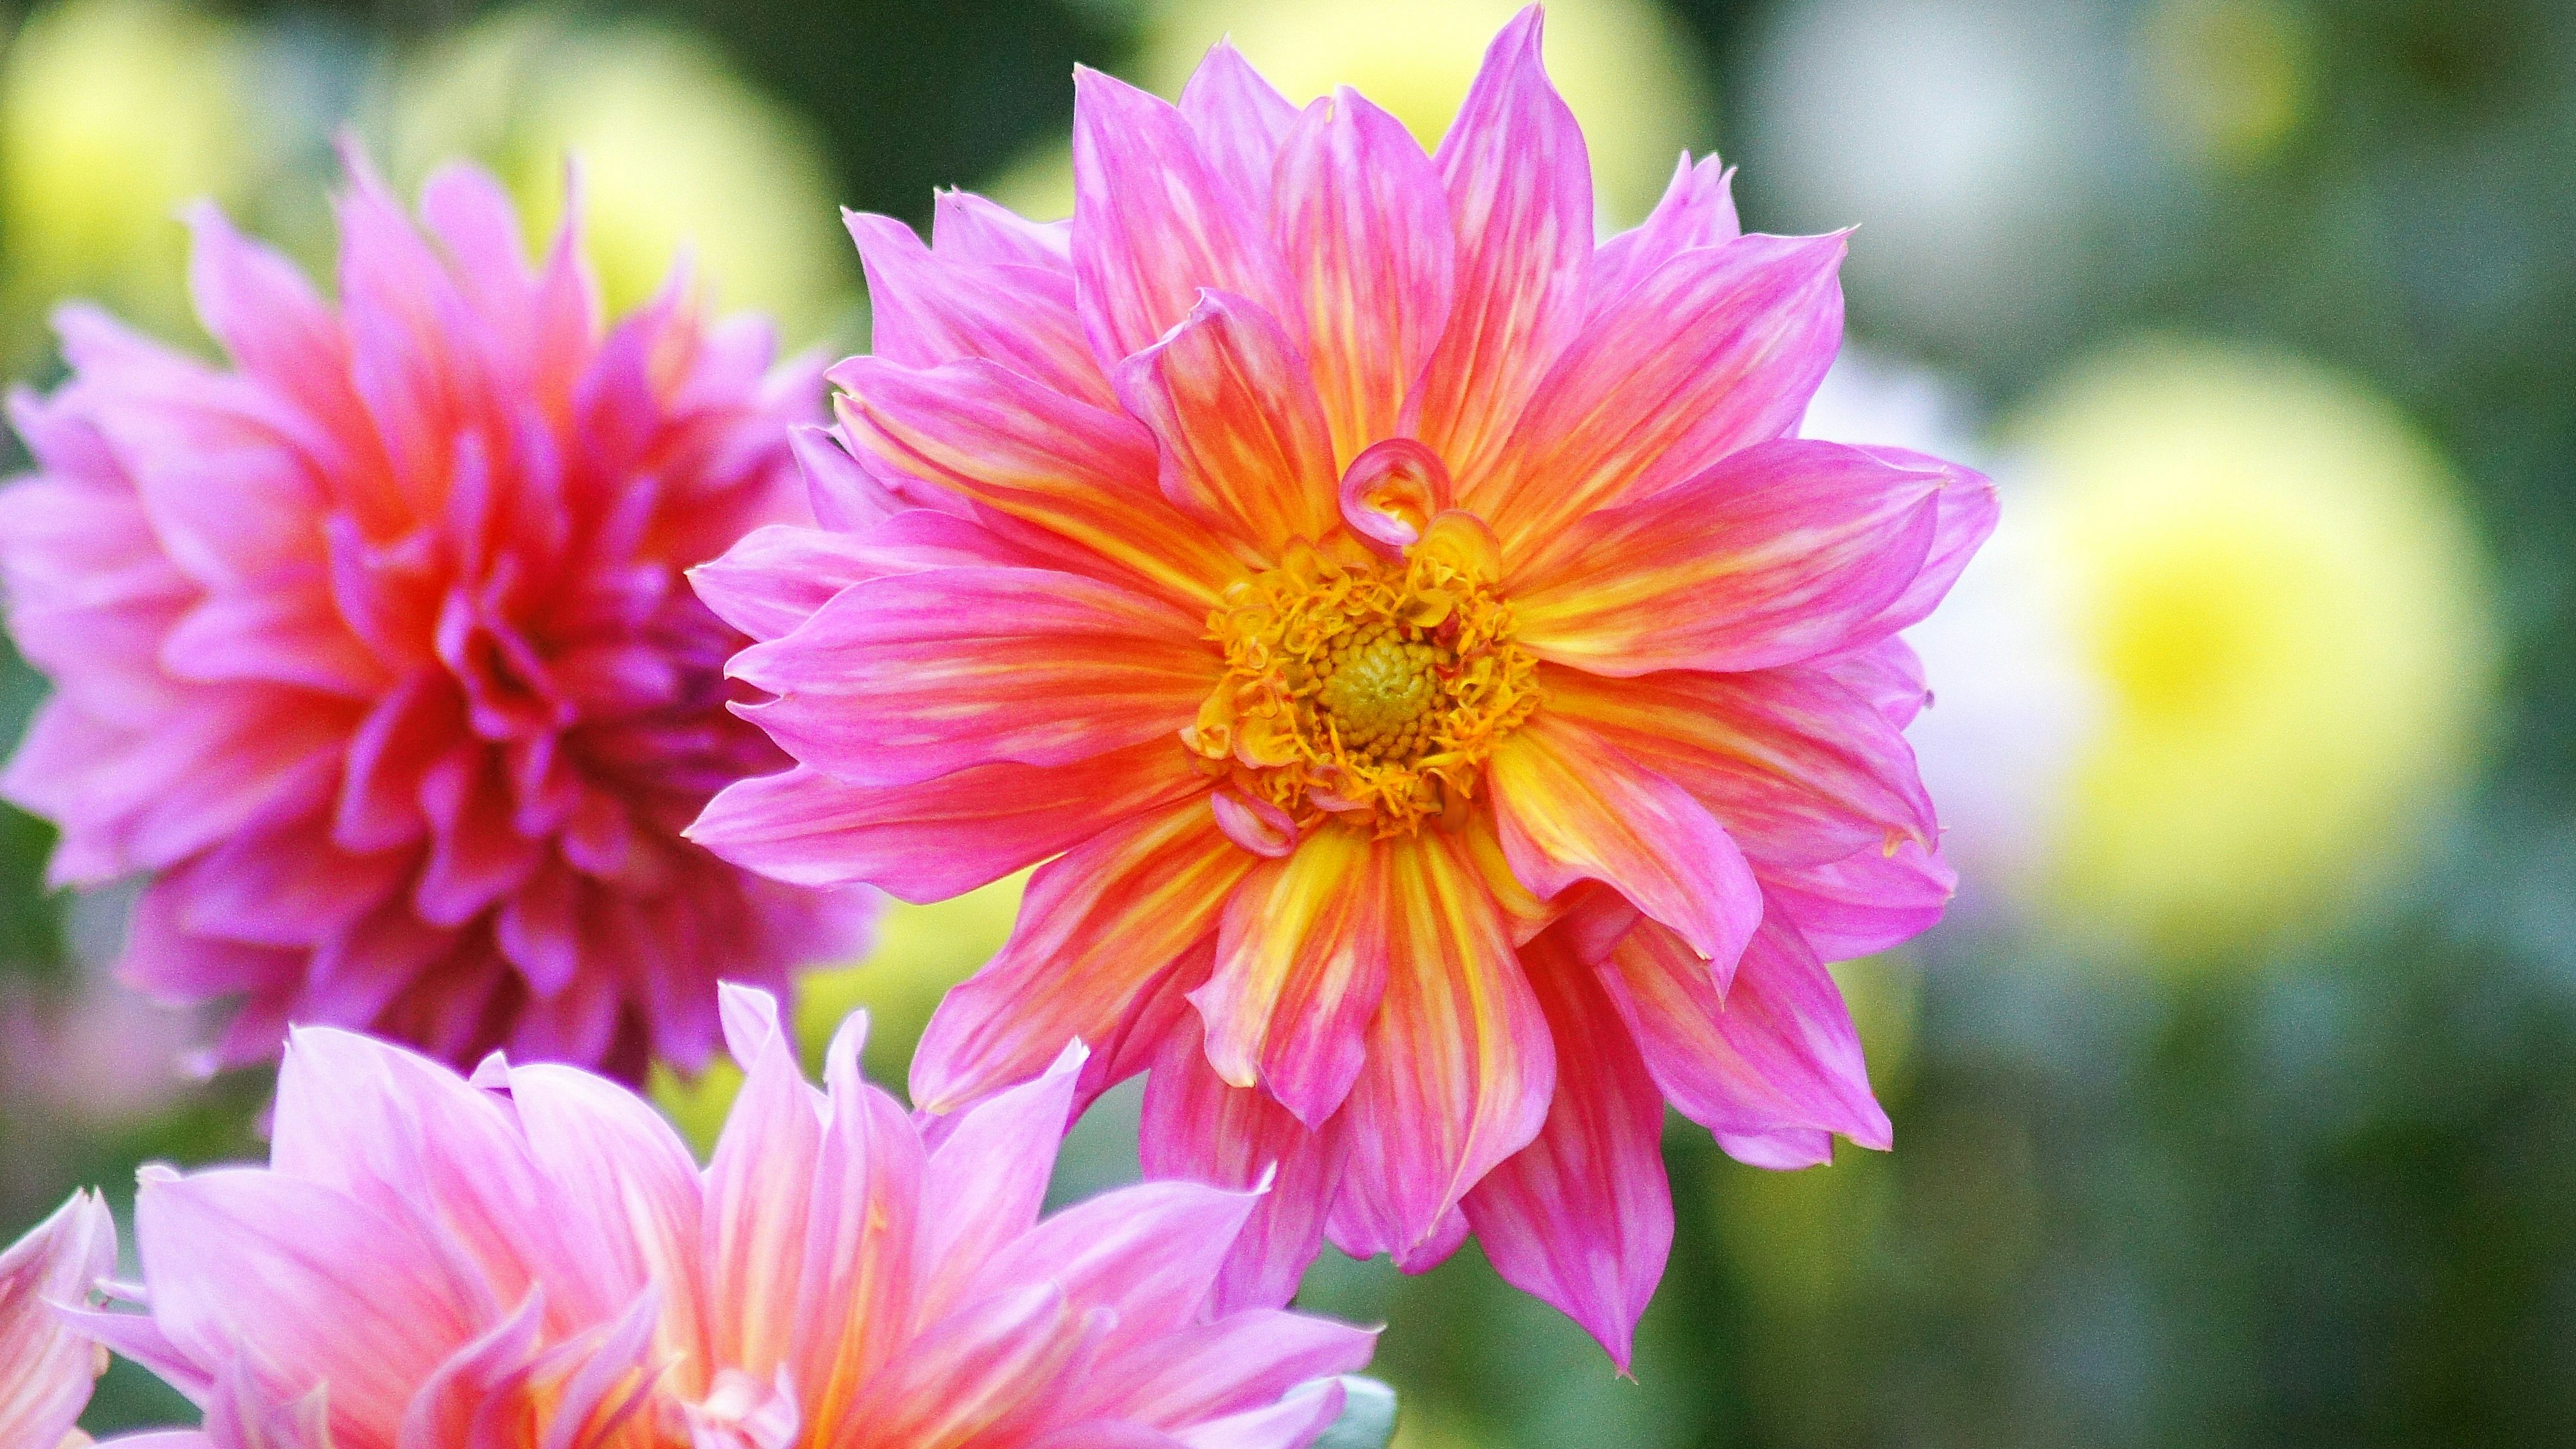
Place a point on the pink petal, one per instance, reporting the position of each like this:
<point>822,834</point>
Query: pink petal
<point>1889,675</point>
<point>1460,1066</point>
<point>1195,1126</point>
<point>1697,210</point>
<point>927,309</point>
<point>1084,474</point>
<point>1292,1423</point>
<point>1148,1253</point>
<point>1241,122</point>
<point>1234,1362</point>
<point>938,838</point>
<point>1243,440</point>
<point>1776,1051</point>
<point>1099,926</point>
<point>759,1192</point>
<point>1798,767</point>
<point>1583,1216</point>
<point>1868,901</point>
<point>838,488</point>
<point>1520,198</point>
<point>1965,520</point>
<point>970,1377</point>
<point>1300,966</point>
<point>988,1178</point>
<point>46,1364</point>
<point>969,228</point>
<point>1364,226</point>
<point>1716,350</point>
<point>908,677</point>
<point>1781,553</point>
<point>1572,807</point>
<point>1154,221</point>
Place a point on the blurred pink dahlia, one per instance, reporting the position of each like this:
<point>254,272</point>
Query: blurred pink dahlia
<point>374,648</point>
<point>45,1366</point>
<point>531,1258</point>
<point>1463,717</point>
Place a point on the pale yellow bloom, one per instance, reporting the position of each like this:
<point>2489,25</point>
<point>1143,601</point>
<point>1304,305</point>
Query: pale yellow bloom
<point>2270,574</point>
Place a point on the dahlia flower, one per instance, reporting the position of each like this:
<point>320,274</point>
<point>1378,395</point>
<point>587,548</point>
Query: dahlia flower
<point>374,647</point>
<point>45,1366</point>
<point>1462,718</point>
<point>532,1258</point>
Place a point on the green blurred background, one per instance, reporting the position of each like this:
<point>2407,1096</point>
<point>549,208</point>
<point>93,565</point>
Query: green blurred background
<point>2236,1102</point>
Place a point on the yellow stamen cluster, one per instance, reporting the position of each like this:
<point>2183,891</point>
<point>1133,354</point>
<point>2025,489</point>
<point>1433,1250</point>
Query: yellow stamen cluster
<point>1363,689</point>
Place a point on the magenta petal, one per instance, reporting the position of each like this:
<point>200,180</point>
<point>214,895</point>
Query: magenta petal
<point>970,228</point>
<point>1154,222</point>
<point>1716,350</point>
<point>1697,210</point>
<point>1232,1363</point>
<point>1776,1051</point>
<point>927,309</point>
<point>1520,197</point>
<point>905,678</point>
<point>1241,122</point>
<point>938,838</point>
<point>1364,226</point>
<point>1244,444</point>
<point>1583,1216</point>
<point>1966,517</point>
<point>1867,901</point>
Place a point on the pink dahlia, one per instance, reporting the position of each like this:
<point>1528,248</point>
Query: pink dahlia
<point>373,648</point>
<point>530,1258</point>
<point>46,1367</point>
<point>1463,717</point>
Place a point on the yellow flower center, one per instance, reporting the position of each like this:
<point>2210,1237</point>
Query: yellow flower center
<point>1366,689</point>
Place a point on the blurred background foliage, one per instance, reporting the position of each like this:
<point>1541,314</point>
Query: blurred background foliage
<point>2236,1102</point>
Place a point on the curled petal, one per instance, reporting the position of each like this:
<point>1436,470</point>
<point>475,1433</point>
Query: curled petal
<point>1391,492</point>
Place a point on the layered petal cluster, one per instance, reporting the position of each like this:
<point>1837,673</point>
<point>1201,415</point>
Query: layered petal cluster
<point>46,1367</point>
<point>531,1258</point>
<point>1461,715</point>
<point>373,648</point>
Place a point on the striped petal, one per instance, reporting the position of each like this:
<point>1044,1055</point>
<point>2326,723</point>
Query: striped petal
<point>1084,474</point>
<point>1300,965</point>
<point>1571,807</point>
<point>1364,225</point>
<point>1780,553</point>
<point>1775,1053</point>
<point>1100,924</point>
<point>1460,1064</point>
<point>926,309</point>
<point>940,837</point>
<point>1583,1216</point>
<point>1154,221</point>
<point>907,678</point>
<point>47,1366</point>
<point>1800,768</point>
<point>1867,901</point>
<point>1697,210</point>
<point>1715,350</point>
<point>1243,440</point>
<point>1520,200</point>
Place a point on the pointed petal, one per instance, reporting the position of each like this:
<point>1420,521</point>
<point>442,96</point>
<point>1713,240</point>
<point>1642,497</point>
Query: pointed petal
<point>1244,445</point>
<point>971,228</point>
<point>1966,518</point>
<point>1716,350</point>
<point>46,1364</point>
<point>985,433</point>
<point>1240,120</point>
<point>1460,1066</point>
<point>861,1282</point>
<point>1154,221</point>
<point>941,837</point>
<point>926,309</point>
<point>1520,199</point>
<point>1364,226</point>
<point>972,1376</point>
<point>1868,901</point>
<point>1197,1127</point>
<point>760,1193</point>
<point>1697,210</point>
<point>908,677</point>
<point>988,1179</point>
<point>1236,1361</point>
<point>1776,1052</point>
<point>1571,808</point>
<point>1147,1253</point>
<point>1098,926</point>
<point>1583,1216</point>
<point>1799,768</point>
<point>1781,553</point>
<point>1300,965</point>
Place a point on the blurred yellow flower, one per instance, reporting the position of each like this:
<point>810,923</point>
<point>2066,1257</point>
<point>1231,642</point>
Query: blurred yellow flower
<point>1622,65</point>
<point>675,151</point>
<point>920,952</point>
<point>113,113</point>
<point>2270,573</point>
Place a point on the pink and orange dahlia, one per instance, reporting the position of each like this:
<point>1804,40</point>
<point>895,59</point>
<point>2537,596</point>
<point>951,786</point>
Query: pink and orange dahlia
<point>1463,717</point>
<point>530,1258</point>
<point>373,648</point>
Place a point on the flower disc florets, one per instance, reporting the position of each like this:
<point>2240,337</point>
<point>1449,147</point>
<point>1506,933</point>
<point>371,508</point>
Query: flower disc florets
<point>1366,689</point>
